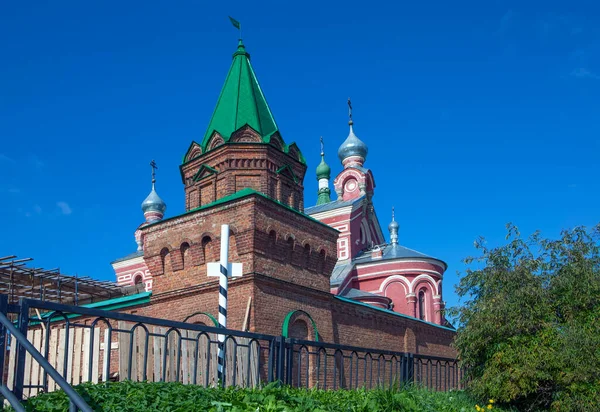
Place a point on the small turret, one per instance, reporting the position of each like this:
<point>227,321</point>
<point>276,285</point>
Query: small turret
<point>353,151</point>
<point>153,206</point>
<point>323,175</point>
<point>393,228</point>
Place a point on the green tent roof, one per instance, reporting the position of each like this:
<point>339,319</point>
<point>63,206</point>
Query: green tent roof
<point>241,102</point>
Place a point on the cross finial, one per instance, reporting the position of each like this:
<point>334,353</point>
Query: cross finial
<point>322,147</point>
<point>393,213</point>
<point>350,110</point>
<point>154,167</point>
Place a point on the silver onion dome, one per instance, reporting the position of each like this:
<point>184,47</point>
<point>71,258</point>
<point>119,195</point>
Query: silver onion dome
<point>352,146</point>
<point>153,203</point>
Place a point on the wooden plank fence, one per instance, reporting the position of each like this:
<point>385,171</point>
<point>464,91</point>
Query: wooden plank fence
<point>186,356</point>
<point>77,355</point>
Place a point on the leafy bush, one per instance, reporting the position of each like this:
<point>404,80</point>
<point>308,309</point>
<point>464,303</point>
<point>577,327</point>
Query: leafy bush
<point>140,396</point>
<point>530,327</point>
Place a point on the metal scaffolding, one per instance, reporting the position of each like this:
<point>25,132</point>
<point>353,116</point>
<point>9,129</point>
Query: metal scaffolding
<point>19,280</point>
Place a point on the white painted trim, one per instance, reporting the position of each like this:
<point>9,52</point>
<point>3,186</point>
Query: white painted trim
<point>342,228</point>
<point>403,260</point>
<point>348,279</point>
<point>366,230</point>
<point>138,273</point>
<point>391,278</point>
<point>332,213</point>
<point>338,211</point>
<point>416,280</point>
<point>394,279</point>
<point>377,225</point>
<point>128,262</point>
<point>396,271</point>
<point>343,248</point>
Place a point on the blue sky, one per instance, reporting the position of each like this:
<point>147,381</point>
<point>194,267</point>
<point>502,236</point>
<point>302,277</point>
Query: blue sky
<point>476,113</point>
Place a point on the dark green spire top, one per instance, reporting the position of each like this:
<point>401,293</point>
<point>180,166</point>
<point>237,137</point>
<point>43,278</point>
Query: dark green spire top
<point>241,102</point>
<point>323,170</point>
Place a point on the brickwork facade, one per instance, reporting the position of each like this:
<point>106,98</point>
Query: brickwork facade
<point>245,176</point>
<point>287,260</point>
<point>244,162</point>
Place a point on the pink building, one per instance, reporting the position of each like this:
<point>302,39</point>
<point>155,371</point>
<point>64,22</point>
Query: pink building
<point>132,269</point>
<point>369,269</point>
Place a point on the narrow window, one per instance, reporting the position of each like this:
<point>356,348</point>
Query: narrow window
<point>422,305</point>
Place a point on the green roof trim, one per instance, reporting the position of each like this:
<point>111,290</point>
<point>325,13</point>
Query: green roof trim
<point>355,302</point>
<point>301,157</point>
<point>236,196</point>
<point>109,304</point>
<point>192,146</point>
<point>289,169</point>
<point>202,168</point>
<point>241,102</point>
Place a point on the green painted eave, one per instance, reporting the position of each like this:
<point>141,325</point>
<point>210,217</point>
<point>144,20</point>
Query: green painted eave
<point>233,197</point>
<point>241,103</point>
<point>109,304</point>
<point>389,312</point>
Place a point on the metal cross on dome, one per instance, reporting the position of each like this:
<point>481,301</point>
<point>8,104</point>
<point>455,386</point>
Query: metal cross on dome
<point>349,109</point>
<point>154,167</point>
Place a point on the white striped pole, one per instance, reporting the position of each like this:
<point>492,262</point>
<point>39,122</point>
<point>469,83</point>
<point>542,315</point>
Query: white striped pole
<point>223,263</point>
<point>223,269</point>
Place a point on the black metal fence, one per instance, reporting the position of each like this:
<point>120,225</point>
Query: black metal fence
<point>68,345</point>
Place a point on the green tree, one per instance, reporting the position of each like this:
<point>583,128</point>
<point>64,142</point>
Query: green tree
<point>529,325</point>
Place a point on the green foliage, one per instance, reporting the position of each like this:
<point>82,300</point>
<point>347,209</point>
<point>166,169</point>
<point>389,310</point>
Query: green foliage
<point>141,396</point>
<point>530,325</point>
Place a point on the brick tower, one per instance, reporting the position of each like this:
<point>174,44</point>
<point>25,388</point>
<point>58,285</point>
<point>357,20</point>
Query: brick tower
<point>245,175</point>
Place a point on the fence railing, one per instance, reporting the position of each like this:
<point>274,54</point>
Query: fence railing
<point>80,344</point>
<point>23,348</point>
<point>333,366</point>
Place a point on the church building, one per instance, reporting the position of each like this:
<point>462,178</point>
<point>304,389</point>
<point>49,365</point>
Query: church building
<point>322,272</point>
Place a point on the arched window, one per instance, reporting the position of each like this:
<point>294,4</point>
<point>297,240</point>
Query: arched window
<point>272,240</point>
<point>207,249</point>
<point>422,304</point>
<point>184,253</point>
<point>163,258</point>
<point>306,257</point>
<point>321,261</point>
<point>290,242</point>
<point>138,279</point>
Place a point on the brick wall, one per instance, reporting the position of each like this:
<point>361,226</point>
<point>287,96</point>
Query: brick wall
<point>233,166</point>
<point>287,260</point>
